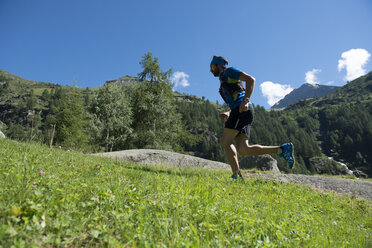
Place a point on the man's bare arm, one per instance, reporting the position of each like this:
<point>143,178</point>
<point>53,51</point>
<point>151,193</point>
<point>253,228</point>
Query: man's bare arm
<point>225,115</point>
<point>249,86</point>
<point>249,83</point>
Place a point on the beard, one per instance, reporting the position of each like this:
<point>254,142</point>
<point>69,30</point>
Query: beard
<point>216,72</point>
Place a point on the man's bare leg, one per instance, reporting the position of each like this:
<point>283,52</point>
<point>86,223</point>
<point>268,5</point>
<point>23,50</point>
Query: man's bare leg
<point>245,149</point>
<point>227,142</point>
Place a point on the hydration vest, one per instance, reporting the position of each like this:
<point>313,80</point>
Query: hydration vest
<point>230,89</point>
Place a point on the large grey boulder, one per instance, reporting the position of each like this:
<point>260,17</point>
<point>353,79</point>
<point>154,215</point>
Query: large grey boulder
<point>262,162</point>
<point>159,157</point>
<point>2,136</point>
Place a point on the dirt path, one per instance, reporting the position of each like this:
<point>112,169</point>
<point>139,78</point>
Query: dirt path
<point>361,188</point>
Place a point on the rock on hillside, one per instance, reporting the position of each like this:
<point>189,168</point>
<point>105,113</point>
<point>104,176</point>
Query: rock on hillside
<point>159,157</point>
<point>263,162</point>
<point>124,80</point>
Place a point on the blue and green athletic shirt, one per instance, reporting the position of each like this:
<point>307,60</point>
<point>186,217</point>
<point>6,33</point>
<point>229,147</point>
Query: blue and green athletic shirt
<point>231,89</point>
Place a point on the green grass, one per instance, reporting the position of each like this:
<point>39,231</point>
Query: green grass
<point>87,201</point>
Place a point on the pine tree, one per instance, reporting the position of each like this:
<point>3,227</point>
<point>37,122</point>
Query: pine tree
<point>71,121</point>
<point>31,101</point>
<point>155,121</point>
<point>151,69</point>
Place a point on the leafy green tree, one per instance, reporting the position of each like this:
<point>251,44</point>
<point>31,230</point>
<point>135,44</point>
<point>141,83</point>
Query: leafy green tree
<point>45,96</point>
<point>87,96</point>
<point>54,100</point>
<point>111,117</point>
<point>155,121</point>
<point>3,88</point>
<point>71,121</point>
<point>34,123</point>
<point>16,131</point>
<point>31,101</point>
<point>25,119</point>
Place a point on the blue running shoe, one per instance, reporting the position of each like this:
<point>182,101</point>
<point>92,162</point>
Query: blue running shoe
<point>287,154</point>
<point>234,177</point>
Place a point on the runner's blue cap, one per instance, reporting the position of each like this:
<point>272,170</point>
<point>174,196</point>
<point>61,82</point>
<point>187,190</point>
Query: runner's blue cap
<point>218,61</point>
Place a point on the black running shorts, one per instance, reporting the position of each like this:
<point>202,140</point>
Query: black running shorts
<point>241,121</point>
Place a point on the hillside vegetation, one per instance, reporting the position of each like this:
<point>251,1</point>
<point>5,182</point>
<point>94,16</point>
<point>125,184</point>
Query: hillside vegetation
<point>51,197</point>
<point>144,112</point>
<point>342,122</point>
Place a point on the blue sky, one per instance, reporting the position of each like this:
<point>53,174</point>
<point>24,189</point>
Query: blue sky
<point>283,44</point>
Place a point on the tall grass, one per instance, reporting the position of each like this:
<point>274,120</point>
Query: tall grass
<point>50,197</point>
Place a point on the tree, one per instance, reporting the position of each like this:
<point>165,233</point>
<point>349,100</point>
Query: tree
<point>54,99</point>
<point>155,120</point>
<point>45,96</point>
<point>151,69</point>
<point>111,117</point>
<point>16,131</point>
<point>4,88</point>
<point>34,122</point>
<point>31,101</point>
<point>71,121</point>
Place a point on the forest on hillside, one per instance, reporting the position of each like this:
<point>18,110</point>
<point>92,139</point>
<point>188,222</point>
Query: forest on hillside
<point>148,114</point>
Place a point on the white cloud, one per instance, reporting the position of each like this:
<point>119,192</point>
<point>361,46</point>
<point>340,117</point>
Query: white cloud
<point>310,77</point>
<point>330,83</point>
<point>274,92</point>
<point>353,61</point>
<point>180,78</point>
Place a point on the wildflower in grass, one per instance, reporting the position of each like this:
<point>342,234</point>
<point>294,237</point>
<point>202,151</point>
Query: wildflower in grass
<point>41,173</point>
<point>43,224</point>
<point>97,165</point>
<point>15,211</point>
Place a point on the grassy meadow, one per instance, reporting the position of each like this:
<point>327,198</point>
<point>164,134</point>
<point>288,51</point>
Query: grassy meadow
<point>56,198</point>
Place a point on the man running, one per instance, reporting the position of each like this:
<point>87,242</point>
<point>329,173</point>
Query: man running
<point>240,117</point>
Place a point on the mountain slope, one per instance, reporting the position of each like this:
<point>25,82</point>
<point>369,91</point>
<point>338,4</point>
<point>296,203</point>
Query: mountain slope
<point>305,91</point>
<point>357,91</point>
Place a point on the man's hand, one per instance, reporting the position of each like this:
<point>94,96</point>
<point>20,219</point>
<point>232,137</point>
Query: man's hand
<point>224,116</point>
<point>243,107</point>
